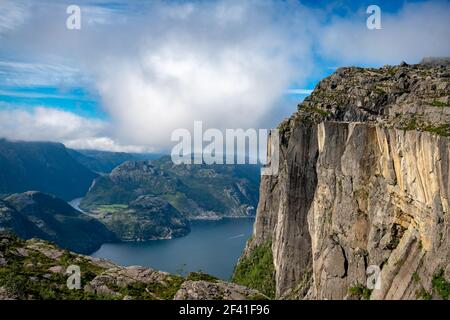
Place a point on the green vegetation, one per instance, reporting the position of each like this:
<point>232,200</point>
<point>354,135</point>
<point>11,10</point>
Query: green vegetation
<point>441,130</point>
<point>110,208</point>
<point>150,291</point>
<point>319,111</point>
<point>392,71</point>
<point>256,297</point>
<point>191,189</point>
<point>423,294</point>
<point>35,269</point>
<point>380,90</point>
<point>359,291</point>
<point>441,285</point>
<point>200,276</point>
<point>257,270</point>
<point>411,125</point>
<point>439,104</point>
<point>28,277</point>
<point>416,277</point>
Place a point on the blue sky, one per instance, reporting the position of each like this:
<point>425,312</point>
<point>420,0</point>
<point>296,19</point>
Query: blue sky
<point>137,70</point>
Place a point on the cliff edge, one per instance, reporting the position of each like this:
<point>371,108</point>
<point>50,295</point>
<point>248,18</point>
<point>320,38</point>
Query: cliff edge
<point>360,206</point>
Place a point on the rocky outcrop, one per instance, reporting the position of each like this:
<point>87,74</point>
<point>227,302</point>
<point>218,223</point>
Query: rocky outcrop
<point>363,189</point>
<point>216,290</point>
<point>36,269</point>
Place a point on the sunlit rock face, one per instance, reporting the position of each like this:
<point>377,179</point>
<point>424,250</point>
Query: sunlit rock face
<point>363,183</point>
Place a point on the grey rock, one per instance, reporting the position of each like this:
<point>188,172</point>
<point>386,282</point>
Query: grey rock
<point>220,290</point>
<point>360,186</point>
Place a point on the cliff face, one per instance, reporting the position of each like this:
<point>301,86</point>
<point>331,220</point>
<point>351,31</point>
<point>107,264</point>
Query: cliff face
<point>363,185</point>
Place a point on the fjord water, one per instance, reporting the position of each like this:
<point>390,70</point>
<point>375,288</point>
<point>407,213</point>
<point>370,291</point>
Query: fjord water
<point>213,247</point>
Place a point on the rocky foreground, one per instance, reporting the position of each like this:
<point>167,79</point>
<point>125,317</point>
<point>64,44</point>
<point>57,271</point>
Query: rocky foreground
<point>36,269</point>
<point>360,207</point>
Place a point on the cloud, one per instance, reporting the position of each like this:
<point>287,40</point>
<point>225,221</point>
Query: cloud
<point>225,63</point>
<point>299,91</point>
<point>39,95</point>
<point>47,124</point>
<point>104,144</point>
<point>40,123</point>
<point>160,65</point>
<point>13,14</point>
<point>418,30</point>
<point>39,74</point>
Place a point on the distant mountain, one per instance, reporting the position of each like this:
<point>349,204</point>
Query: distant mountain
<point>35,214</point>
<point>106,161</point>
<point>42,166</point>
<point>197,191</point>
<point>146,218</point>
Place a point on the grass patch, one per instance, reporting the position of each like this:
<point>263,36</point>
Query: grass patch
<point>319,111</point>
<point>200,276</point>
<point>359,291</point>
<point>257,270</point>
<point>110,208</point>
<point>423,294</point>
<point>442,130</point>
<point>440,285</point>
<point>439,104</point>
<point>411,124</point>
<point>152,291</point>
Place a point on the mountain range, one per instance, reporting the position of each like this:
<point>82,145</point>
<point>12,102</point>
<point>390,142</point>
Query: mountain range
<point>125,196</point>
<point>34,214</point>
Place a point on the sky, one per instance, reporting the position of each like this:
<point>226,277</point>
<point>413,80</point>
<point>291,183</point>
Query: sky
<point>138,70</point>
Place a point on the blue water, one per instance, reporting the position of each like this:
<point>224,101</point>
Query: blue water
<point>212,247</point>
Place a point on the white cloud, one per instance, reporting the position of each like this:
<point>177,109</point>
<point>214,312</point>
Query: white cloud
<point>225,63</point>
<point>40,123</point>
<point>104,144</point>
<point>13,14</point>
<point>35,95</point>
<point>40,74</point>
<point>47,124</point>
<point>161,65</point>
<point>418,30</point>
<point>299,91</point>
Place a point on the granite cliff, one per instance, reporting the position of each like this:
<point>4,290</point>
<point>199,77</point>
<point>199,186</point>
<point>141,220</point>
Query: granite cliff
<point>362,193</point>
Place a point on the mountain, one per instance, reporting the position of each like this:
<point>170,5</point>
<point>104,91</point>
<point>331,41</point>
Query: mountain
<point>35,214</point>
<point>106,161</point>
<point>146,218</point>
<point>36,270</point>
<point>42,166</point>
<point>197,191</point>
<point>363,191</point>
